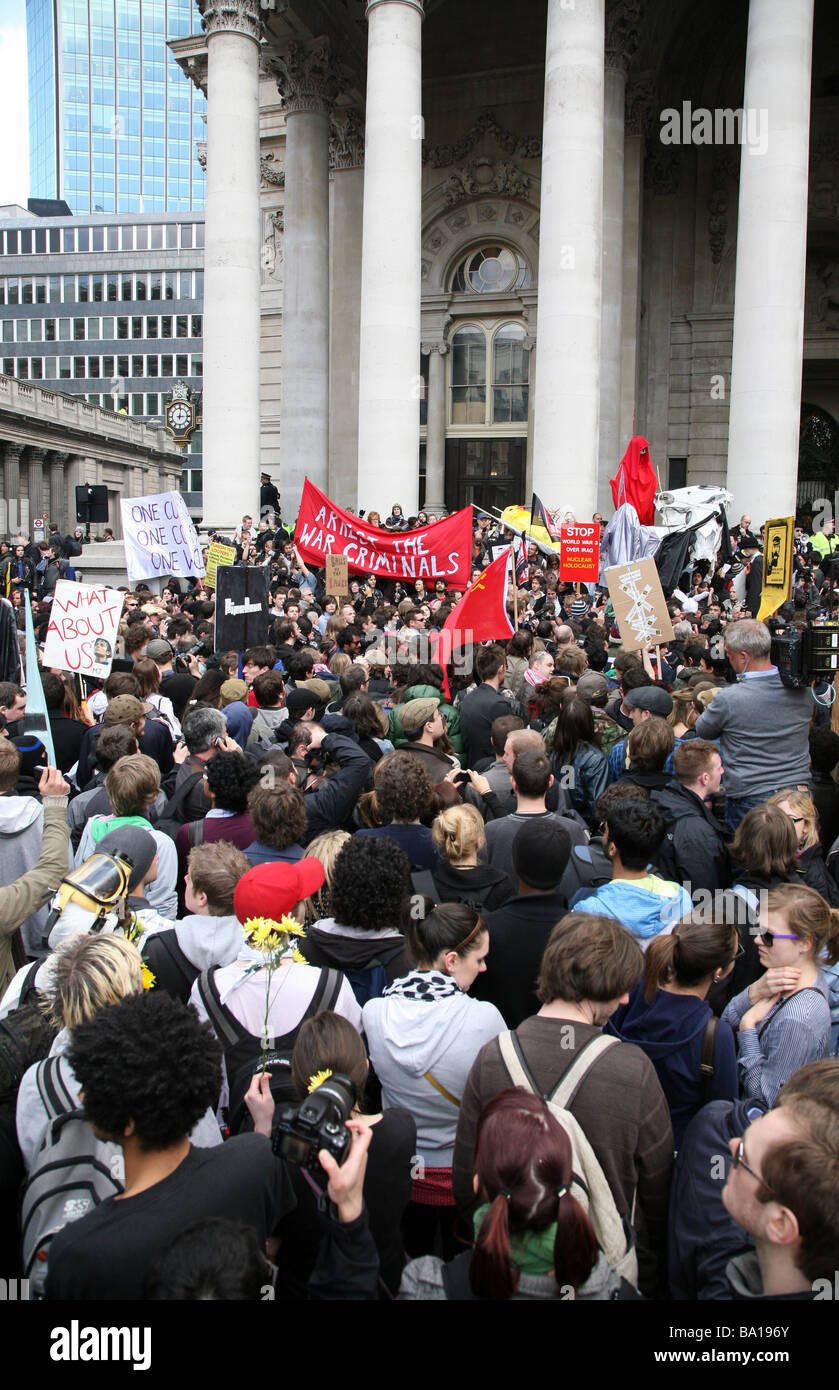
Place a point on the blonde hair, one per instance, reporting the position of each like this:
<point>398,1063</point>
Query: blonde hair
<point>802,805</point>
<point>87,974</point>
<point>340,662</point>
<point>809,916</point>
<point>458,831</point>
<point>326,848</point>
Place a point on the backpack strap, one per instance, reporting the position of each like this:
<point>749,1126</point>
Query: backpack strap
<point>569,1083</point>
<point>166,942</point>
<point>228,1028</point>
<point>422,882</point>
<point>27,986</point>
<point>516,1063</point>
<point>326,993</point>
<point>52,1089</point>
<point>195,832</point>
<point>706,1065</point>
<point>782,1005</point>
<point>438,1086</point>
<point>178,797</point>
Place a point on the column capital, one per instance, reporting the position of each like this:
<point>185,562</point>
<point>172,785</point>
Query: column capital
<point>36,453</point>
<point>57,457</point>
<point>231,17</point>
<point>346,143</point>
<point>426,348</point>
<point>308,78</point>
<point>11,449</point>
<point>623,33</point>
<point>417,5</point>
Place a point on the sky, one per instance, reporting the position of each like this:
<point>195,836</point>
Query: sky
<point>14,111</point>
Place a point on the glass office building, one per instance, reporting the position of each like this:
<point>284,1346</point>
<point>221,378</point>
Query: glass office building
<point>113,122</point>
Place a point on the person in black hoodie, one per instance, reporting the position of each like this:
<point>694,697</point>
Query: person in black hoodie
<point>370,881</point>
<point>669,1017</point>
<point>458,833</point>
<point>694,850</point>
<point>519,931</point>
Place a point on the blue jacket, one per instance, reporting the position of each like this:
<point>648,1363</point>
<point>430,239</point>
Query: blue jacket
<point>644,906</point>
<point>590,778</point>
<point>702,1237</point>
<point>670,1030</point>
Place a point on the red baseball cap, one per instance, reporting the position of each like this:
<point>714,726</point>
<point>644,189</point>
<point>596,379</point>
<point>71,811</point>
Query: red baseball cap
<point>269,890</point>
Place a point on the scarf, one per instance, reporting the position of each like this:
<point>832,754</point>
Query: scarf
<point>425,985</point>
<point>532,1251</point>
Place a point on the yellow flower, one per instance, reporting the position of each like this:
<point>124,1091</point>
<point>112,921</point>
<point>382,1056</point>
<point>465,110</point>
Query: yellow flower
<point>298,956</point>
<point>149,980</point>
<point>318,1079</point>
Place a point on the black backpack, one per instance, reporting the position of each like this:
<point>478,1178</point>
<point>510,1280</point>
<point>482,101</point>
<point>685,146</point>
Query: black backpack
<point>26,1036</point>
<point>173,970</point>
<point>243,1051</point>
<point>172,816</point>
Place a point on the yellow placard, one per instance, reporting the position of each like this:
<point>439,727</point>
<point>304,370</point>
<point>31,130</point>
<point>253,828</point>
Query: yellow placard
<point>217,554</point>
<point>777,565</point>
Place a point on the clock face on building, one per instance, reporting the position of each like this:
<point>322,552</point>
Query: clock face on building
<point>179,415</point>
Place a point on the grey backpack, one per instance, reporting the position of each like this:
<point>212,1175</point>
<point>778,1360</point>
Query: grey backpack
<point>72,1173</point>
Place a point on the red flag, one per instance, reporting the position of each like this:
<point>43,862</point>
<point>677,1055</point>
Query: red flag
<point>481,615</point>
<point>635,481</point>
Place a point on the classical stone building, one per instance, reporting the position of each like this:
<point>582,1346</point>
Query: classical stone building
<point>455,251</point>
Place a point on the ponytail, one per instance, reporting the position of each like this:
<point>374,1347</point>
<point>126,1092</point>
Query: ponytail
<point>492,1274</point>
<point>575,1246</point>
<point>694,950</point>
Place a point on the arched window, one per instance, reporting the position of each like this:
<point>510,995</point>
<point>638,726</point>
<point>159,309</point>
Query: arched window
<point>491,270</point>
<point>495,397</point>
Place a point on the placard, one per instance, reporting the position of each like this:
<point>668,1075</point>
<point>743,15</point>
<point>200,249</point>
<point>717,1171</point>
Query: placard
<point>82,630</point>
<point>241,608</point>
<point>440,551</point>
<point>777,565</point>
<point>217,554</point>
<point>639,604</point>
<point>579,559</point>
<point>160,538</point>
<point>337,576</point>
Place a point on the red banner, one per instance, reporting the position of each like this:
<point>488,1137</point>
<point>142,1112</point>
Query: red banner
<point>579,560</point>
<point>440,551</point>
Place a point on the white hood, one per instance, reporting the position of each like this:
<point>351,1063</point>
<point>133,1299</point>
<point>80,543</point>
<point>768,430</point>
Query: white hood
<point>209,941</point>
<point>18,813</point>
<point>417,1033</point>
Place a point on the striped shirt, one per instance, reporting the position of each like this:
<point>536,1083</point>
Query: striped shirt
<point>795,1031</point>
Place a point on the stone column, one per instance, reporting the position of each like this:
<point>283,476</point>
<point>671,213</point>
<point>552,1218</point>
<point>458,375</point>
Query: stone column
<point>567,397</point>
<point>435,445</point>
<point>630,325</point>
<point>231,263</point>
<point>764,419</point>
<point>388,434</point>
<point>11,487</point>
<point>347,163</point>
<point>35,461</point>
<point>308,87</point>
<point>57,492</point>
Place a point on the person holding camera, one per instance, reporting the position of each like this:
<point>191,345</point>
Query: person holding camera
<point>330,1068</point>
<point>763,726</point>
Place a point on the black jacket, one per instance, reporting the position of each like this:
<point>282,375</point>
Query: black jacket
<point>156,742</point>
<point>694,849</point>
<point>483,888</point>
<point>478,709</point>
<point>518,935</point>
<point>332,801</point>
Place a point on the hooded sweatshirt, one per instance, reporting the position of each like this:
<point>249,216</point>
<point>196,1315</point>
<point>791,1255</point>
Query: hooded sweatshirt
<point>161,893</point>
<point>207,941</point>
<point>352,948</point>
<point>645,906</point>
<point>21,831</point>
<point>408,1038</point>
<point>670,1029</point>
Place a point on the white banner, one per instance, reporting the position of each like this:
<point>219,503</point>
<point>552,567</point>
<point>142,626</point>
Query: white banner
<point>160,538</point>
<point>83,628</point>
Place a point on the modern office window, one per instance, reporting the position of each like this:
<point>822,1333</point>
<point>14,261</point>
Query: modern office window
<point>137,367</point>
<point>79,367</point>
<point>64,368</point>
<point>137,405</point>
<point>36,368</point>
<point>181,325</point>
<point>22,330</point>
<point>197,326</point>
<point>78,328</point>
<point>35,330</point>
<point>152,366</point>
<point>182,365</point>
<point>49,330</point>
<point>65,329</point>
<point>137,330</point>
<point>122,328</point>
<point>108,328</point>
<point>151,326</point>
<point>122,366</point>
<point>92,328</point>
<point>166,365</point>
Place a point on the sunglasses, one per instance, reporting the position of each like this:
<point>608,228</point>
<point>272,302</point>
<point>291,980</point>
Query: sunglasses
<point>739,1161</point>
<point>770,937</point>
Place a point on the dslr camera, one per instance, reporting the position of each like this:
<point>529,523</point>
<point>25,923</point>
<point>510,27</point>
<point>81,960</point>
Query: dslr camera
<point>318,1122</point>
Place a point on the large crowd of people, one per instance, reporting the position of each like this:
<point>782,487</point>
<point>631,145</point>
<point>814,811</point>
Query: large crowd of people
<point>330,970</point>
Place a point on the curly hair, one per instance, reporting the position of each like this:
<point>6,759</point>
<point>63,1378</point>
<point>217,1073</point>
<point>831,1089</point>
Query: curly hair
<point>149,1061</point>
<point>278,814</point>
<point>214,1259</point>
<point>230,778</point>
<point>403,789</point>
<point>370,880</point>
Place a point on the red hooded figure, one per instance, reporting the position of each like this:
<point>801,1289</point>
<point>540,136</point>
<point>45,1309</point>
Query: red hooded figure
<point>635,481</point>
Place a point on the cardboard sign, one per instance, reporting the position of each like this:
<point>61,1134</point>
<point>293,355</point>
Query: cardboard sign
<point>160,538</point>
<point>241,608</point>
<point>777,565</point>
<point>82,629</point>
<point>440,551</point>
<point>337,576</point>
<point>579,560</point>
<point>639,604</point>
<point>218,554</point>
